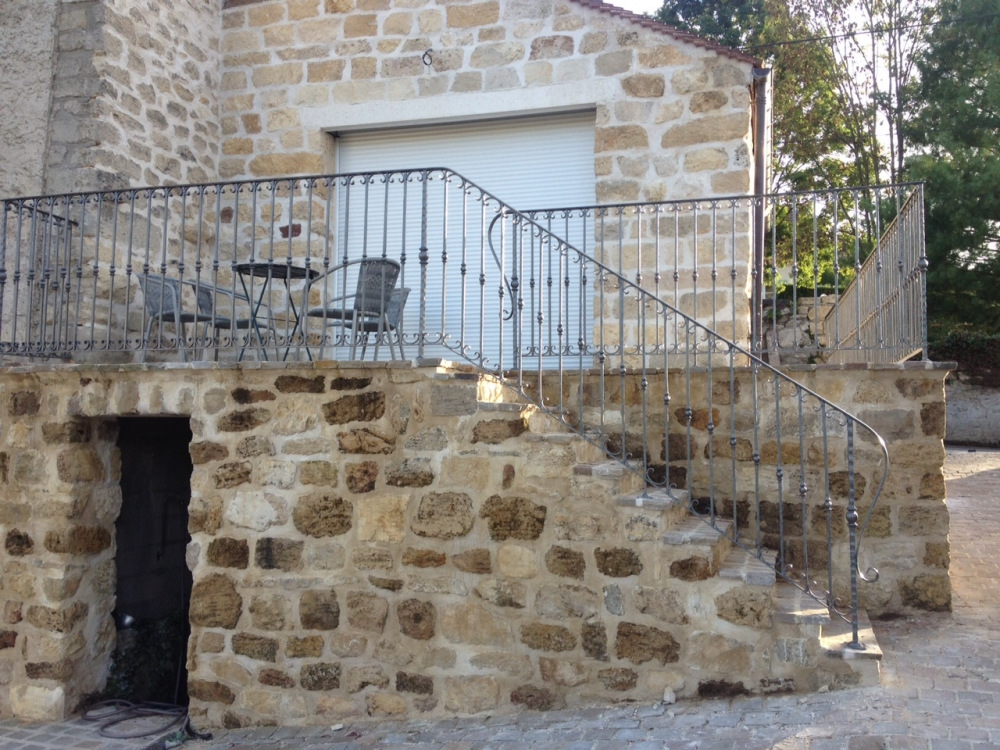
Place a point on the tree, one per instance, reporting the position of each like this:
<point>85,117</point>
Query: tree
<point>956,124</point>
<point>815,145</point>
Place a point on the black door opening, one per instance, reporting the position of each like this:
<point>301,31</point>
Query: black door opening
<point>154,583</point>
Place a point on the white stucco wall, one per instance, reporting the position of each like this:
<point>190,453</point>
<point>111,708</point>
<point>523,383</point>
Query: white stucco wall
<point>27,36</point>
<point>973,411</point>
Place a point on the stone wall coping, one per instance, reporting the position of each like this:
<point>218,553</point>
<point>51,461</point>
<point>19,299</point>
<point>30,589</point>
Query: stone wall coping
<point>445,365</point>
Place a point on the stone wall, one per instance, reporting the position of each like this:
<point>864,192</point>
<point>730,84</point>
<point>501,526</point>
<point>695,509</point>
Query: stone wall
<point>27,38</point>
<point>109,94</point>
<point>973,405</point>
<point>376,541</point>
<point>159,108</point>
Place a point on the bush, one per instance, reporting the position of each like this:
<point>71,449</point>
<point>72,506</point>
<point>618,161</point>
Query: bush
<point>973,350</point>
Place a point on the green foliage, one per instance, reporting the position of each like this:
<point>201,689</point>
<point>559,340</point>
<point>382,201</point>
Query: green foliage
<point>973,350</point>
<point>956,121</point>
<point>145,661</point>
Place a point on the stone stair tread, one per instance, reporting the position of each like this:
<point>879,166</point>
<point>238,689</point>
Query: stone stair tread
<point>657,498</point>
<point>793,605</point>
<point>503,406</point>
<point>837,635</point>
<point>695,531</point>
<point>742,565</point>
<point>602,469</point>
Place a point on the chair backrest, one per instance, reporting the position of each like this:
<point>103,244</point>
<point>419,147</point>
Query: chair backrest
<point>394,310</point>
<point>161,295</point>
<point>376,280</point>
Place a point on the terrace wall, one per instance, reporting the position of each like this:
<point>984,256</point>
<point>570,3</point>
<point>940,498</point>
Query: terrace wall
<point>375,541</point>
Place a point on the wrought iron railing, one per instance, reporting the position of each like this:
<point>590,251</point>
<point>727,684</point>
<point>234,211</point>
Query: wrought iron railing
<point>228,270</point>
<point>833,275</point>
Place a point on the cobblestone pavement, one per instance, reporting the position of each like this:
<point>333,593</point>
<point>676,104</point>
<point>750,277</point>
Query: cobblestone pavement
<point>940,687</point>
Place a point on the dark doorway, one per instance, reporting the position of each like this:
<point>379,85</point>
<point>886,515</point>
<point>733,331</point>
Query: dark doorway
<point>154,583</point>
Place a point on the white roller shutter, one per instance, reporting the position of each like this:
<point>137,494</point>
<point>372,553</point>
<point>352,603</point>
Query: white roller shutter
<point>528,163</point>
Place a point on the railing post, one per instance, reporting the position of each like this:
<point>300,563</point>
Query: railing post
<point>423,257</point>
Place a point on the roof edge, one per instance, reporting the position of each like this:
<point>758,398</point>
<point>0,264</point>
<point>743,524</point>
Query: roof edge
<point>664,28</point>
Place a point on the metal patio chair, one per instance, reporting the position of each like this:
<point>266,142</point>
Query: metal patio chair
<point>368,310</point>
<point>164,302</point>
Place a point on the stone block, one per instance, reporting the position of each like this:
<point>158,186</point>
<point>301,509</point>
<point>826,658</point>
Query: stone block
<point>513,518</point>
<point>542,637</point>
<point>243,420</point>
<point>359,407</point>
<point>417,619</point>
<point>515,561</point>
<point>323,515</point>
<point>618,679</point>
<point>931,592</point>
<point>472,623</point>
<point>369,675</point>
<point>367,611</point>
<point>210,692</point>
<point>618,562</point>
<point>269,612</point>
<point>443,515</point>
<point>372,559</point>
<point>503,593</point>
<point>473,561</point>
<point>251,510</point>
<point>560,601</point>
<point>496,431</point>
<point>745,607</point>
<point>323,676</point>
<point>423,558</point>
<point>322,473</point>
<point>710,129</point>
<point>273,553</point>
<point>276,678</point>
<point>80,465</point>
<point>471,16</point>
<point>620,138</point>
<point>364,441</point>
<point>713,652</point>
<point>215,602</point>
<point>660,603</point>
<point>644,85</point>
<point>204,452</point>
<point>412,472</point>
<point>256,647</point>
<point>298,647</point>
<point>385,705</point>
<point>319,610</point>
<point>641,643</point>
<point>561,672</point>
<point>471,695</point>
<point>18,543</point>
<point>34,703</point>
<point>226,552</point>
<point>536,698</point>
<point>232,474</point>
<point>414,683</point>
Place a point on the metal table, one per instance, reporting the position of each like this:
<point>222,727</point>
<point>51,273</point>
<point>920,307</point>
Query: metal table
<point>271,271</point>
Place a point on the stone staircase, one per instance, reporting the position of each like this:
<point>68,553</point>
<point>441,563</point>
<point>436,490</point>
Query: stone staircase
<point>737,617</point>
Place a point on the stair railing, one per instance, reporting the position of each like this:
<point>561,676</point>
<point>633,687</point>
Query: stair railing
<point>787,475</point>
<point>657,384</point>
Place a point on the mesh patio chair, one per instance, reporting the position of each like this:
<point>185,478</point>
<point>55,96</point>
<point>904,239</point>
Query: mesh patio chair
<point>164,302</point>
<point>368,310</point>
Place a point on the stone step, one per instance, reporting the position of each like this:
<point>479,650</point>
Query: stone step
<point>742,566</point>
<point>671,504</point>
<point>793,605</point>
<point>837,635</point>
<point>696,549</point>
<point>623,478</point>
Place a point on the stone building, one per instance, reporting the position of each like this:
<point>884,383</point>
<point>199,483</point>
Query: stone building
<point>413,537</point>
